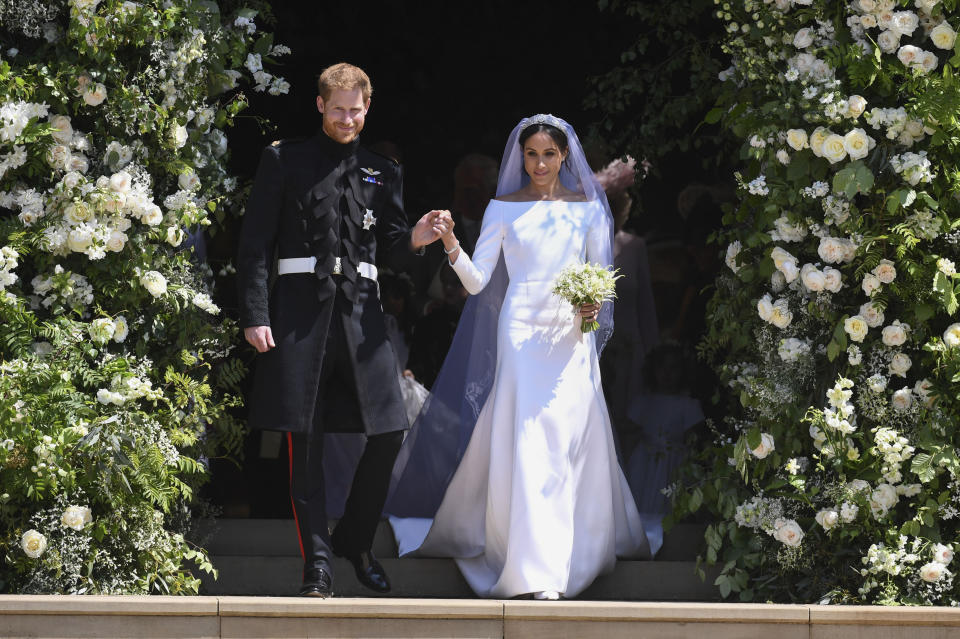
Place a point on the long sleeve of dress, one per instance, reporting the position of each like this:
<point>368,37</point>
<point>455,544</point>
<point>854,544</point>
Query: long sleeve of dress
<point>600,239</point>
<point>475,273</point>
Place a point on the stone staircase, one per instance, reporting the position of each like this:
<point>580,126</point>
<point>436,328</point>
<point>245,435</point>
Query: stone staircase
<point>262,557</point>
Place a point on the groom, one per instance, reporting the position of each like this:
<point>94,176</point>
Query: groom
<point>322,211</point>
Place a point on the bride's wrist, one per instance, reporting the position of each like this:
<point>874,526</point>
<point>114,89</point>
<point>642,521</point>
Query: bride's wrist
<point>451,247</point>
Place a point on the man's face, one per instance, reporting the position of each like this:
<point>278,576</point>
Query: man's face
<point>343,114</point>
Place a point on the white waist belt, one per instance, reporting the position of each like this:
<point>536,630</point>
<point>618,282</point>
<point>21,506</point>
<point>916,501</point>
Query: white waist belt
<point>290,265</point>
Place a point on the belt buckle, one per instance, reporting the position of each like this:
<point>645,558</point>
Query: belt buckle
<point>337,267</point>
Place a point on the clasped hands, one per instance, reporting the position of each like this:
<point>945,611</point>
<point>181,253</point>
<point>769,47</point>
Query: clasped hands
<point>434,225</point>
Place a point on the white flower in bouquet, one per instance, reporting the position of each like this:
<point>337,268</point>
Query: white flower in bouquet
<point>789,533</point>
<point>785,263</point>
<point>928,62</point>
<point>154,282</point>
<point>781,316</point>
<point>813,279</point>
<point>77,162</point>
<point>943,36</point>
<point>57,156</point>
<point>856,105</point>
<point>924,391</point>
<point>189,181</point>
<point>870,284</point>
<point>120,182</point>
<point>175,236</point>
<point>151,214</point>
<point>933,572</point>
<point>882,499</point>
<point>902,399</point>
<point>798,139</point>
<point>765,447</point>
<point>817,138</point>
<point>733,249</point>
<point>872,314</point>
<point>253,63</point>
<point>803,38</point>
<point>80,238</point>
<point>885,271</point>
<point>857,144</point>
<point>905,22</point>
<point>102,330</point>
<point>582,284</point>
<point>834,250</point>
<point>832,279</point>
<point>120,328</point>
<point>848,511</point>
<point>888,41</point>
<point>62,129</point>
<point>909,490</point>
<point>203,302</point>
<point>33,543</point>
<point>788,231</point>
<point>105,396</point>
<point>895,334</point>
<point>833,149</point>
<point>116,241</point>
<point>951,336</point>
<point>899,364</point>
<point>783,157</point>
<point>856,327</point>
<point>178,135</point>
<point>791,349</point>
<point>94,94</point>
<point>877,383</point>
<point>828,519</point>
<point>76,517</point>
<point>854,356</point>
<point>942,554</point>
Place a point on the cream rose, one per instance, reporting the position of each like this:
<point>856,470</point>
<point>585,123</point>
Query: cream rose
<point>121,328</point>
<point>765,447</point>
<point>817,138</point>
<point>33,543</point>
<point>833,148</point>
<point>152,215</point>
<point>872,314</point>
<point>905,22</point>
<point>924,390</point>
<point>885,271</point>
<point>895,334</point>
<point>929,61</point>
<point>943,36</point>
<point>899,364</point>
<point>76,517</point>
<point>789,533</point>
<point>178,135</point>
<point>888,41</point>
<point>781,316</point>
<point>942,554</point>
<point>765,307</point>
<point>848,511</point>
<point>120,182</point>
<point>883,498</point>
<point>189,181</point>
<point>175,235</point>
<point>803,38</point>
<point>94,94</point>
<point>870,284</point>
<point>154,282</point>
<point>58,155</point>
<point>857,144</point>
<point>832,279</point>
<point>827,518</point>
<point>798,139</point>
<point>951,336</point>
<point>856,105</point>
<point>856,327</point>
<point>116,241</point>
<point>902,399</point>
<point>812,278</point>
<point>933,571</point>
<point>62,129</point>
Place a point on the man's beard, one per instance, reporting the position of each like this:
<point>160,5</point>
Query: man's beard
<point>338,135</point>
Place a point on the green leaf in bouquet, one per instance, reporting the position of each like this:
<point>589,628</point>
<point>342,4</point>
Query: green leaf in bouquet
<point>922,466</point>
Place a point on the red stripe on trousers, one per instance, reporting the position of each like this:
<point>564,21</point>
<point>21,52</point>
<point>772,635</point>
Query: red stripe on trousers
<point>293,504</point>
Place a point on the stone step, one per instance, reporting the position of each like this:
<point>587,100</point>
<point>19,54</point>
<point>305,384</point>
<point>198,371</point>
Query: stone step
<point>440,578</point>
<point>58,617</point>
<point>278,538</point>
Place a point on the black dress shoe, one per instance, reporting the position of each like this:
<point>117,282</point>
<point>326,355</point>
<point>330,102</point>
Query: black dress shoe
<point>316,583</point>
<point>368,570</point>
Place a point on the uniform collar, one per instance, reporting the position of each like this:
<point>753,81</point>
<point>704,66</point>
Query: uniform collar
<point>336,149</point>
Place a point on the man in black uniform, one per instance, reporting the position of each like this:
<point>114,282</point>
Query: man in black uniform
<point>320,214</point>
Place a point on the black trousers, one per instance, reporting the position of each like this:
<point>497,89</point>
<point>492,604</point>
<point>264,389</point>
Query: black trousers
<point>368,493</point>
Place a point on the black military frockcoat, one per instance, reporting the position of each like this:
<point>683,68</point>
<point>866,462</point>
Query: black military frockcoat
<point>310,198</point>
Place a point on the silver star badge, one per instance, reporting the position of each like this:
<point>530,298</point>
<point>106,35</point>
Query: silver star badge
<point>368,220</point>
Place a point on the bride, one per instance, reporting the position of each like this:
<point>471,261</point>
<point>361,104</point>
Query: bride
<point>537,504</point>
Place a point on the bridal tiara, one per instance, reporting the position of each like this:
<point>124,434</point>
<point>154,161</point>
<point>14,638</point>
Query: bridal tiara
<point>542,118</point>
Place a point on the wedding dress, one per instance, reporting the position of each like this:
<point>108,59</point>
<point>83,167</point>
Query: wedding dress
<point>538,501</point>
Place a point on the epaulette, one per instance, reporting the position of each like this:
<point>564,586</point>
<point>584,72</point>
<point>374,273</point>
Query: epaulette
<point>386,157</point>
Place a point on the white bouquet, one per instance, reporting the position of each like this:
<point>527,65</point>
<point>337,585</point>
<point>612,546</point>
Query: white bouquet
<point>582,284</point>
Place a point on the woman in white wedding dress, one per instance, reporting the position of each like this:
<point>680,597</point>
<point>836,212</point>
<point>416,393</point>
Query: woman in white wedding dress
<point>538,503</point>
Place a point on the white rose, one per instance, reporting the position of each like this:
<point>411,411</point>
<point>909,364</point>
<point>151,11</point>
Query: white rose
<point>899,364</point>
<point>765,308</point>
<point>765,447</point>
<point>71,180</point>
<point>827,518</point>
<point>785,263</point>
<point>909,54</point>
<point>62,129</point>
<point>121,328</point>
<point>789,533</point>
<point>951,336</point>
<point>33,543</point>
<point>782,316</point>
<point>871,314</point>
<point>877,383</point>
<point>857,144</point>
<point>833,148</point>
<point>154,282</point>
<point>188,181</point>
<point>152,215</point>
<point>116,241</point>
<point>178,135</point>
<point>868,21</point>
<point>885,271</point>
<point>817,138</point>
<point>58,155</point>
<point>902,399</point>
<point>888,41</point>
<point>120,182</point>
<point>79,239</point>
<point>870,283</point>
<point>803,38</point>
<point>175,235</point>
<point>895,334</point>
<point>848,511</point>
<point>733,249</point>
<point>943,36</point>
<point>933,571</point>
<point>832,279</point>
<point>783,157</point>
<point>883,498</point>
<point>76,517</point>
<point>101,330</point>
<point>929,61</point>
<point>78,163</point>
<point>942,554</point>
<point>867,6</point>
<point>856,104</point>
<point>924,390</point>
<point>812,278</point>
<point>856,327</point>
<point>798,139</point>
<point>905,22</point>
<point>94,94</point>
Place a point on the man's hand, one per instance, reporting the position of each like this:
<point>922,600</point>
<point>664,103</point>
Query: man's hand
<point>430,228</point>
<point>260,337</point>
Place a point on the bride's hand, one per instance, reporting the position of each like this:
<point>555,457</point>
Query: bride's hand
<point>589,312</point>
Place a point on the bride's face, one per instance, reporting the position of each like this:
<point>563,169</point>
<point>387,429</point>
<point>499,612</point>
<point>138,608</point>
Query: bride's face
<point>542,159</point>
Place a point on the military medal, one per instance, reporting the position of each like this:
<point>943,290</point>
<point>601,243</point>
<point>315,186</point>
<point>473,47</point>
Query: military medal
<point>368,220</point>
<point>371,176</point>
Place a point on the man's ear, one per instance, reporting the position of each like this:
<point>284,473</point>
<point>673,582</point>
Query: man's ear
<point>320,103</point>
<point>366,107</point>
